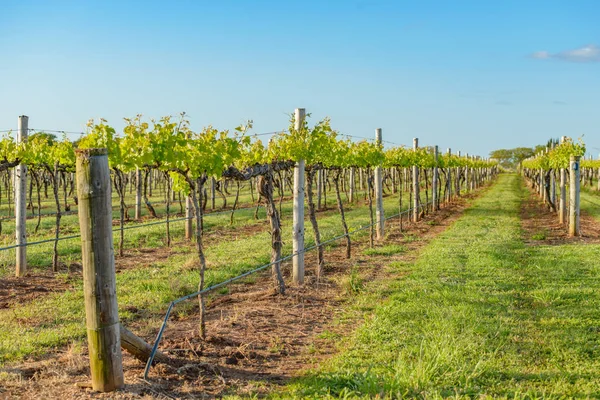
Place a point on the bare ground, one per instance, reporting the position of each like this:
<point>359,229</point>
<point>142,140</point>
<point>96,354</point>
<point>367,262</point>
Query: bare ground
<point>541,225</point>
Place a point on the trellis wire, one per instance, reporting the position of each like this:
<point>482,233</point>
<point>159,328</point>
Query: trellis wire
<point>255,270</point>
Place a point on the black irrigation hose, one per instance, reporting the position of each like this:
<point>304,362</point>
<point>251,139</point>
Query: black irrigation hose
<point>255,270</point>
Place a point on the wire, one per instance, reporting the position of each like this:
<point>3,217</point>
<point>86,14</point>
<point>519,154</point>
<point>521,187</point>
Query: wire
<point>56,131</point>
<point>253,271</point>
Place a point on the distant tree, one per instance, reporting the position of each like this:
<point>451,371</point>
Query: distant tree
<point>512,158</point>
<point>504,157</point>
<point>44,135</point>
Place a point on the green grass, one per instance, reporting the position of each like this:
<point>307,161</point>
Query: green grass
<point>386,250</point>
<point>55,320</point>
<point>478,315</point>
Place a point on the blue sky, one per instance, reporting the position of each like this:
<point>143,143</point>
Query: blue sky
<point>471,75</point>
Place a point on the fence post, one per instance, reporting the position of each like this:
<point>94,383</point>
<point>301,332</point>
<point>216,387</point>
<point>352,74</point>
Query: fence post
<point>434,180</point>
<point>416,196</point>
<point>467,187</point>
<point>189,232</point>
<point>574,173</point>
<point>449,178</point>
<point>20,182</point>
<point>298,217</point>
<point>379,214</point>
<point>562,206</point>
<point>457,179</point>
<point>138,193</point>
<point>351,186</point>
<point>98,260</point>
<point>212,193</point>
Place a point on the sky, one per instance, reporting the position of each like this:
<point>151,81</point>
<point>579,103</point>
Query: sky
<point>473,76</point>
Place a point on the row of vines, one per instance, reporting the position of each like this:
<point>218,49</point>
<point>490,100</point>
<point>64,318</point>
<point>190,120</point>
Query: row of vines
<point>186,161</point>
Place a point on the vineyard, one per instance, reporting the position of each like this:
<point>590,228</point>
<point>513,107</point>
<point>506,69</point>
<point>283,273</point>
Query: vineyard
<point>311,264</point>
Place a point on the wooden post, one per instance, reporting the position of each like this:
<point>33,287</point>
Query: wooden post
<point>98,260</point>
<point>138,193</point>
<point>449,178</point>
<point>298,217</point>
<point>20,182</point>
<point>351,186</point>
<point>553,185</point>
<point>319,186</point>
<point>415,173</point>
<point>562,209</point>
<point>379,214</point>
<point>149,183</point>
<point>467,187</point>
<point>457,179</point>
<point>212,193</point>
<point>189,232</point>
<point>574,173</point>
<point>434,180</point>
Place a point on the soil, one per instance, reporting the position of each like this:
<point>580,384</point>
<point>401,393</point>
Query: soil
<point>542,227</point>
<point>257,338</point>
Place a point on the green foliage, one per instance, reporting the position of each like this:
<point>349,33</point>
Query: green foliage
<point>558,157</point>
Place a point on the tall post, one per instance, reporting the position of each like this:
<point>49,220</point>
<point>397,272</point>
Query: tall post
<point>574,173</point>
<point>379,214</point>
<point>319,187</point>
<point>562,209</point>
<point>20,182</point>
<point>138,193</point>
<point>449,178</point>
<point>213,185</point>
<point>189,233</point>
<point>434,181</point>
<point>553,185</point>
<point>351,186</point>
<point>298,217</point>
<point>467,187</point>
<point>458,177</point>
<point>415,173</point>
<point>98,259</point>
<point>150,173</point>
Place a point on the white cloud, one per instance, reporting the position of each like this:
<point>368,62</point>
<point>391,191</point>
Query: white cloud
<point>541,55</point>
<point>590,53</point>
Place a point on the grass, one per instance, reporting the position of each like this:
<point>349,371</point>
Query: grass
<point>386,250</point>
<point>479,315</point>
<point>145,291</point>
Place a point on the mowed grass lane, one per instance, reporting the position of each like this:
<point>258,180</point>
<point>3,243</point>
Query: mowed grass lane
<point>479,314</point>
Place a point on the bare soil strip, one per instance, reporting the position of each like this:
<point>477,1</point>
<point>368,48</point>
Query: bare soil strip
<point>541,225</point>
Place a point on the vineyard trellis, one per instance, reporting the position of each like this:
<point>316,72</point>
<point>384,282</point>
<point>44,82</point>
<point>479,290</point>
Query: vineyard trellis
<point>186,162</point>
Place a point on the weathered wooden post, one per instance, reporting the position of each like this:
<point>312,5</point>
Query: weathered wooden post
<point>467,187</point>
<point>213,184</point>
<point>20,182</point>
<point>351,186</point>
<point>415,173</point>
<point>449,178</point>
<point>189,207</point>
<point>98,260</point>
<point>379,213</point>
<point>138,193</point>
<point>298,217</point>
<point>458,177</point>
<point>319,188</point>
<point>434,180</point>
<point>562,209</point>
<point>574,173</point>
